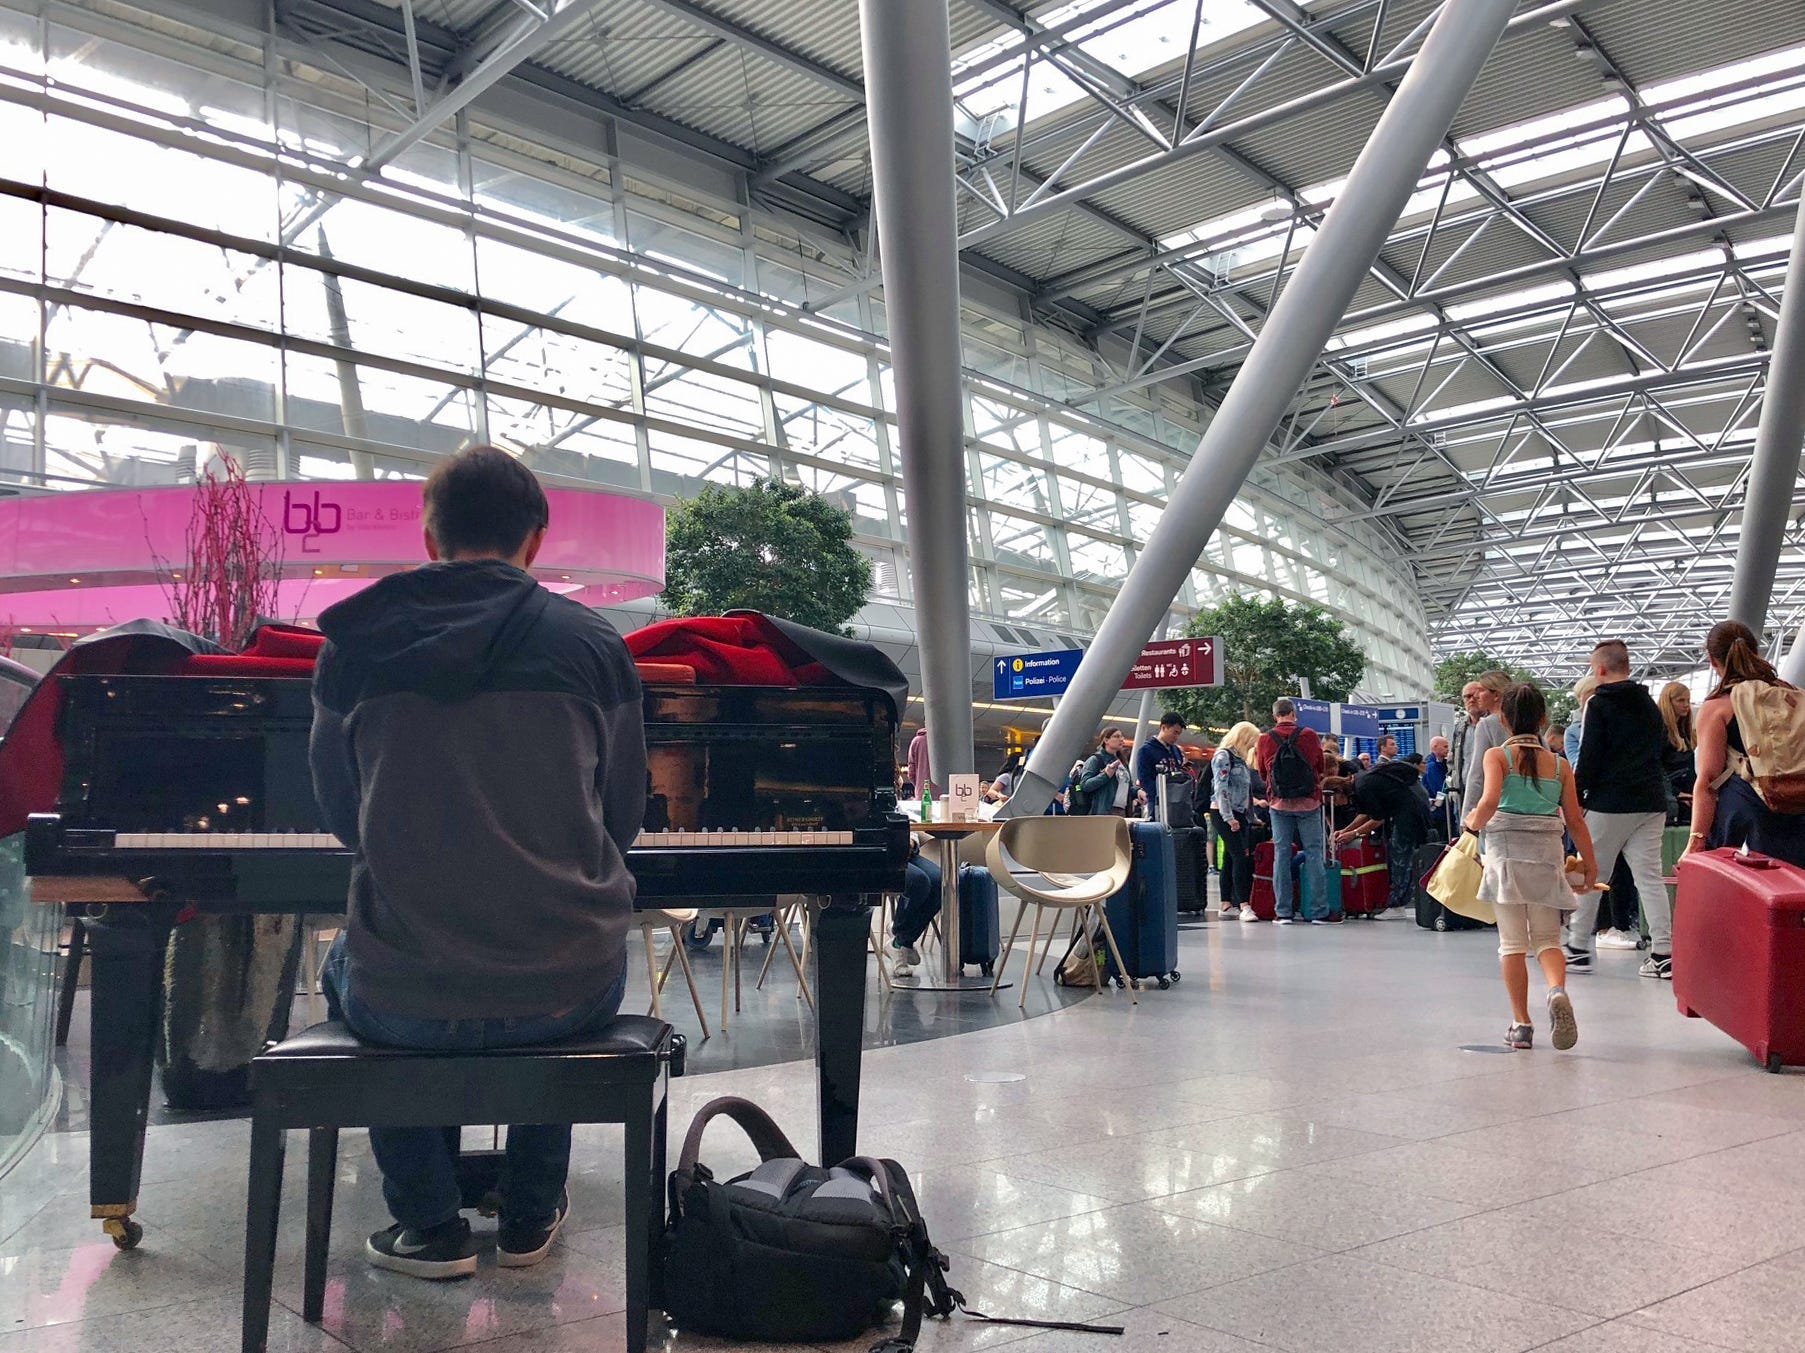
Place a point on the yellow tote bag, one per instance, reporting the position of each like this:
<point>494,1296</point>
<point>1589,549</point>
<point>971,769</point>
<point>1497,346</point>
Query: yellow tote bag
<point>1454,882</point>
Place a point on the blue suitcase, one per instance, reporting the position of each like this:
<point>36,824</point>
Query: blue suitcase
<point>979,936</point>
<point>1143,916</point>
<point>1333,880</point>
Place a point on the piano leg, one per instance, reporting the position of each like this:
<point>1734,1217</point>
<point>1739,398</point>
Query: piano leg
<point>841,936</point>
<point>125,956</point>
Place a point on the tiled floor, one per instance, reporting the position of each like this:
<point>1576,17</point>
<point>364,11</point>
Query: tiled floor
<point>1292,1149</point>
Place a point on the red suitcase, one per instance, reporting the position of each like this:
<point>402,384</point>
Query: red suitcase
<point>1263,900</point>
<point>1365,880</point>
<point>1739,951</point>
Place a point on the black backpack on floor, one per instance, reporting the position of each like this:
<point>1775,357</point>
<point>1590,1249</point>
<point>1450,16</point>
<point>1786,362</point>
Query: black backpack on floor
<point>794,1253</point>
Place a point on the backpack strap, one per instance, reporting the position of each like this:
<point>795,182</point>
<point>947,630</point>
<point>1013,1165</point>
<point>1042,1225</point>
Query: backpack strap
<point>927,1291</point>
<point>765,1135</point>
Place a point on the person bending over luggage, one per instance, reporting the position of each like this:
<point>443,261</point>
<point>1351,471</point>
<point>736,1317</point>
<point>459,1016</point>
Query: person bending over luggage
<point>479,744</point>
<point>1528,791</point>
<point>1726,809</point>
<point>915,909</point>
<point>1391,796</point>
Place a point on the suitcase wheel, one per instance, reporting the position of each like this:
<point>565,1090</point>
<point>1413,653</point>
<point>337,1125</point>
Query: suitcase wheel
<point>1441,921</point>
<point>1774,1063</point>
<point>1175,975</point>
<point>988,969</point>
<point>1165,983</point>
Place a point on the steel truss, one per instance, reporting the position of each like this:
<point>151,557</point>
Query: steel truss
<point>1562,394</point>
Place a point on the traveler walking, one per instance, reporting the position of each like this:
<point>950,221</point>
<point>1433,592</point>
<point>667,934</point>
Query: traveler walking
<point>1231,808</point>
<point>1289,759</point>
<point>1527,791</point>
<point>1624,792</point>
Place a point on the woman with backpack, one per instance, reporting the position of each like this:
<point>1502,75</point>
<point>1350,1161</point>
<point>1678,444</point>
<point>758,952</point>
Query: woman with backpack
<point>1726,809</point>
<point>1106,784</point>
<point>1231,808</point>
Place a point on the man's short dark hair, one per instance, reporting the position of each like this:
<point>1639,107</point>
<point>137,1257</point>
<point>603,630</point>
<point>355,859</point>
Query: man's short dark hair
<point>1282,708</point>
<point>1171,720</point>
<point>483,501</point>
<point>1614,654</point>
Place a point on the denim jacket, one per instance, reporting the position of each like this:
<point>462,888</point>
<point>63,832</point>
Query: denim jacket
<point>1234,784</point>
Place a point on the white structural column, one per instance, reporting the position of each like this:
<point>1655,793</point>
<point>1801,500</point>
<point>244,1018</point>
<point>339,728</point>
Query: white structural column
<point>1774,464</point>
<point>1313,302</point>
<point>909,107</point>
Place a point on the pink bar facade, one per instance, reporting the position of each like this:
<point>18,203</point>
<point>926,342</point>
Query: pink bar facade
<point>83,561</point>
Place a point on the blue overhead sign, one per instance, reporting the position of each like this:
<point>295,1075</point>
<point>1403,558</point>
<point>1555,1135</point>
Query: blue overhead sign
<point>1401,714</point>
<point>1358,721</point>
<point>1312,714</point>
<point>1026,675</point>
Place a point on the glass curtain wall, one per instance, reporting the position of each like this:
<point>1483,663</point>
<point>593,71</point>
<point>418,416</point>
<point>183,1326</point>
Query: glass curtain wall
<point>188,265</point>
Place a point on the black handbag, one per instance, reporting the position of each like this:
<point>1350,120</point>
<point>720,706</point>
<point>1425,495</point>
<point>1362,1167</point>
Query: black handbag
<point>794,1253</point>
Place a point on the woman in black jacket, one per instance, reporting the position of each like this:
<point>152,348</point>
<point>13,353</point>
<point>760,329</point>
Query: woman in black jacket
<point>1678,753</point>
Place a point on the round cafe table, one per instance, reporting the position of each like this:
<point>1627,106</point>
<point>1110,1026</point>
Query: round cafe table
<point>947,835</point>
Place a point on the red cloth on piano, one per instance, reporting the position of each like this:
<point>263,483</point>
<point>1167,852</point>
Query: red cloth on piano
<point>741,649</point>
<point>31,758</point>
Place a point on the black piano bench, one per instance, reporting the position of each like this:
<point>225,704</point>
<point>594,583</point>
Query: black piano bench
<point>324,1079</point>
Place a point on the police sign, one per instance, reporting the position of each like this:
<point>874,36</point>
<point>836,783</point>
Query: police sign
<point>1025,675</point>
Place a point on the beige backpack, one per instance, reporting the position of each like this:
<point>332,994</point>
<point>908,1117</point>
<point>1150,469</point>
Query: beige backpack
<point>1772,722</point>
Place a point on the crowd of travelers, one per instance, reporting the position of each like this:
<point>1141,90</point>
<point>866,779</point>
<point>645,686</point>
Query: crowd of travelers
<point>1571,817</point>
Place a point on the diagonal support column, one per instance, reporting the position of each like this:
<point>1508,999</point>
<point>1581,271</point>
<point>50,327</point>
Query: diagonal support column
<point>1774,464</point>
<point>909,102</point>
<point>1413,125</point>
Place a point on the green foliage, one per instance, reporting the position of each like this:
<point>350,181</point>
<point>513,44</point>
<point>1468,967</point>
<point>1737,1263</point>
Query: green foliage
<point>769,547</point>
<point>1269,644</point>
<point>1454,671</point>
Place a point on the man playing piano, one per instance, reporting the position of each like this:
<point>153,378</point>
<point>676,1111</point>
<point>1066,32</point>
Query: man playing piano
<point>478,743</point>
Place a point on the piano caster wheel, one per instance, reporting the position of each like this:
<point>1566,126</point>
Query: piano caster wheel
<point>126,1233</point>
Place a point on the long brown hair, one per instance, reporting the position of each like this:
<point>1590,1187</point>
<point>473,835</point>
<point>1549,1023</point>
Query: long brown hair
<point>1680,732</point>
<point>1525,712</point>
<point>1106,735</point>
<point>1733,647</point>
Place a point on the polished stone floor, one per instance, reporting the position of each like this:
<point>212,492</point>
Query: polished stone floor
<point>1308,1145</point>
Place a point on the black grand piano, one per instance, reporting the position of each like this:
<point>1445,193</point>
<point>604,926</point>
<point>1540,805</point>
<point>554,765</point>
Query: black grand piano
<point>755,790</point>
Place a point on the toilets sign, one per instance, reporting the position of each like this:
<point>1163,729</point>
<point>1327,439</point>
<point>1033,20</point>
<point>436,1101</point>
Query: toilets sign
<point>1172,663</point>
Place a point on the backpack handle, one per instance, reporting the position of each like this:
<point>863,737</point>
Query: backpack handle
<point>758,1125</point>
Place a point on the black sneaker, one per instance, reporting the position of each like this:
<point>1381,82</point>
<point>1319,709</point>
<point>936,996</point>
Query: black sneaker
<point>1578,960</point>
<point>1659,966</point>
<point>1336,919</point>
<point>1520,1037</point>
<point>444,1251</point>
<point>521,1244</point>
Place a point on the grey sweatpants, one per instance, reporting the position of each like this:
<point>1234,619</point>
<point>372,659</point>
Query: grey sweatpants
<point>1636,837</point>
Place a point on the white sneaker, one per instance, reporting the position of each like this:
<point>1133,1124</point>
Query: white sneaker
<point>1248,913</point>
<point>1618,939</point>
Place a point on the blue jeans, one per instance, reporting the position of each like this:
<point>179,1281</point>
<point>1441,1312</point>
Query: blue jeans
<point>920,900</point>
<point>1306,830</point>
<point>419,1164</point>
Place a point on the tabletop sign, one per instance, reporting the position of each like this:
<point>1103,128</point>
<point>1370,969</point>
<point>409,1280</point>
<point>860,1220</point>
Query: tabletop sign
<point>961,797</point>
<point>1026,675</point>
<point>1171,663</point>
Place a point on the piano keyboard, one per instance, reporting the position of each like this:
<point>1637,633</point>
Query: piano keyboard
<point>326,841</point>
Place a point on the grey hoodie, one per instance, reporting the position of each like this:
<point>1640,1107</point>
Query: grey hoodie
<point>479,745</point>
